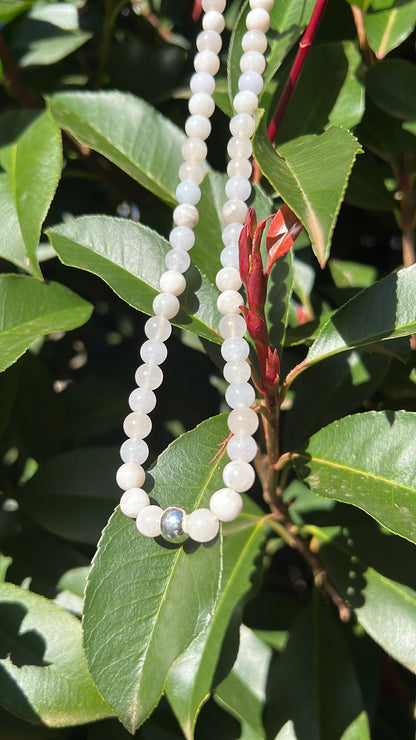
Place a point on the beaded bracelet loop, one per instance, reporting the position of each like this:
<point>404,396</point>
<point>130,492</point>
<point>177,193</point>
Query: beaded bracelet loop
<point>174,523</point>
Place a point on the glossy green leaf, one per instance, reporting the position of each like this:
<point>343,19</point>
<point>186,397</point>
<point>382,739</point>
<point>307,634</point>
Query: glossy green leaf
<point>73,494</point>
<point>312,191</point>
<point>388,27</point>
<point>10,9</point>
<point>5,562</point>
<point>315,673</point>
<point>49,33</point>
<point>191,677</point>
<point>392,86</point>
<point>43,672</point>
<point>165,595</point>
<point>367,460</point>
<point>382,311</point>
<point>32,309</point>
<point>31,155</point>
<point>130,258</point>
<point>352,274</point>
<point>112,123</point>
<point>279,293</point>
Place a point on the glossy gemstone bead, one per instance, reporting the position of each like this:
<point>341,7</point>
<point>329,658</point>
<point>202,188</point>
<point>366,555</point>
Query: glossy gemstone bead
<point>226,504</point>
<point>133,501</point>
<point>201,525</point>
<point>148,521</point>
<point>238,475</point>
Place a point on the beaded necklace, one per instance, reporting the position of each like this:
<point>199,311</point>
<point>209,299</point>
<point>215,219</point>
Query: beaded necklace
<point>174,523</point>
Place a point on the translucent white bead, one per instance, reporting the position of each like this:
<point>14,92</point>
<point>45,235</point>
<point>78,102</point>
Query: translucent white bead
<point>243,421</point>
<point>239,147</point>
<point>134,450</point>
<point>230,302</point>
<point>218,5</point>
<point>266,4</point>
<point>254,40</point>
<point>229,257</point>
<point>166,305</point>
<point>238,188</point>
<point>231,233</point>
<point>226,504</point>
<point>228,279</point>
<point>202,82</point>
<point>188,192</point>
<point>209,40</point>
<point>186,215</point>
<point>239,168</point>
<point>194,150</point>
<point>201,525</point>
<point>191,171</point>
<point>251,81</point>
<point>177,259</point>
<point>142,399</point>
<point>130,475</point>
<point>148,521</point>
<point>258,19</point>
<point>242,447</point>
<point>182,237</point>
<point>233,325</point>
<point>235,348</point>
<point>133,501</point>
<point>238,371</point>
<point>213,21</point>
<point>253,60</point>
<point>238,475</point>
<point>172,282</point>
<point>156,327</point>
<point>245,102</point>
<point>242,125</point>
<point>198,127</point>
<point>240,394</point>
<point>153,352</point>
<point>206,61</point>
<point>201,104</point>
<point>148,376</point>
<point>234,210</point>
<point>137,425</point>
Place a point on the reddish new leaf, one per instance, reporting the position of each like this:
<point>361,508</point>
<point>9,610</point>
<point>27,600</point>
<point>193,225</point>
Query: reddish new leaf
<point>284,230</point>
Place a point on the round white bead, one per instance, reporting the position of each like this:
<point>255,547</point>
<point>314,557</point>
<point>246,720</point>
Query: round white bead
<point>243,421</point>
<point>234,210</point>
<point>258,19</point>
<point>130,475</point>
<point>242,447</point>
<point>137,425</point>
<point>209,40</point>
<point>233,325</point>
<point>188,192</point>
<point>230,302</point>
<point>231,234</point>
<point>153,352</point>
<point>226,504</point>
<point>148,521</point>
<point>266,4</point>
<point>238,371</point>
<point>177,259</point>
<point>240,394</point>
<point>142,399</point>
<point>239,168</point>
<point>156,327</point>
<point>239,147</point>
<point>201,525</point>
<point>242,125</point>
<point>133,501</point>
<point>206,61</point>
<point>191,171</point>
<point>186,215</point>
<point>238,188</point>
<point>228,279</point>
<point>229,257</point>
<point>251,81</point>
<point>238,475</point>
<point>172,282</point>
<point>166,305</point>
<point>194,150</point>
<point>213,21</point>
<point>202,82</point>
<point>134,450</point>
<point>182,237</point>
<point>198,127</point>
<point>235,348</point>
<point>253,60</point>
<point>149,376</point>
<point>218,5</point>
<point>245,102</point>
<point>201,104</point>
<point>254,40</point>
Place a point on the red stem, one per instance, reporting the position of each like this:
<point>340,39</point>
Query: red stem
<point>304,46</point>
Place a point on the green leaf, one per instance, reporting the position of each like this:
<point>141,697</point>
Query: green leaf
<point>367,460</point>
<point>388,27</point>
<point>383,311</point>
<point>295,171</point>
<point>112,123</point>
<point>392,84</point>
<point>366,187</point>
<point>191,677</point>
<point>5,562</point>
<point>165,595</point>
<point>130,258</point>
<point>43,672</point>
<point>31,155</point>
<point>279,293</point>
<point>10,9</point>
<point>48,34</point>
<point>73,494</point>
<point>315,672</point>
<point>346,274</point>
<point>32,309</point>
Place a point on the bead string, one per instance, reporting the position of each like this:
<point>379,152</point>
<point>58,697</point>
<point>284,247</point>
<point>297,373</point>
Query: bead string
<point>173,523</point>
